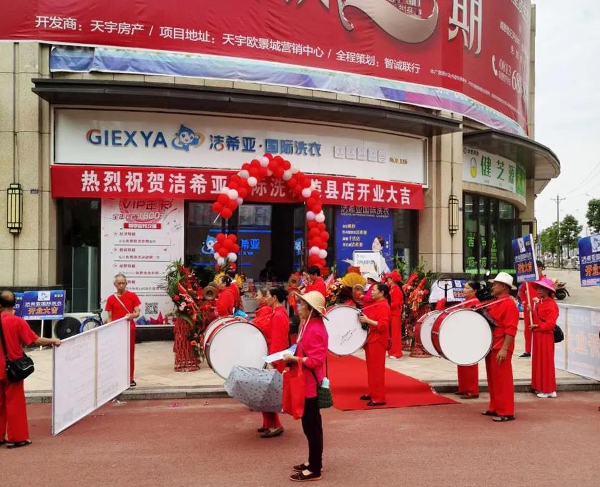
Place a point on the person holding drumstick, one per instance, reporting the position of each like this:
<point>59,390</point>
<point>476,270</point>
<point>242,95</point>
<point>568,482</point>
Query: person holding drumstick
<point>377,317</point>
<point>468,375</point>
<point>279,333</point>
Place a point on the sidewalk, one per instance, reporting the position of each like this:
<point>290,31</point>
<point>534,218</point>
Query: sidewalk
<point>156,379</point>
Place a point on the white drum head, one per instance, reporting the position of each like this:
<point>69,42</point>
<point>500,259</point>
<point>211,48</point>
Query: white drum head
<point>425,333</point>
<point>215,323</point>
<point>346,335</point>
<point>236,343</point>
<point>465,337</point>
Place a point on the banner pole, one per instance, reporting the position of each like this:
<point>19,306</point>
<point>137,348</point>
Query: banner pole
<point>42,332</point>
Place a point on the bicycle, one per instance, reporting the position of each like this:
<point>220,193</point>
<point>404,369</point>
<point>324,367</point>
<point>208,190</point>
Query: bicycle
<point>92,322</point>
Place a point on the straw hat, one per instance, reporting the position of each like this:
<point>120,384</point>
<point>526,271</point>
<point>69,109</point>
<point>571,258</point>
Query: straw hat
<point>504,278</point>
<point>315,300</point>
<point>547,283</point>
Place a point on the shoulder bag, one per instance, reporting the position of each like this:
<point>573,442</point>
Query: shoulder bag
<point>16,370</point>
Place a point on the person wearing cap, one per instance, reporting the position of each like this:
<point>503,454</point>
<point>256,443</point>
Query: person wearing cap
<point>315,281</point>
<point>372,279</point>
<point>377,317</point>
<point>393,279</point>
<point>545,315</point>
<point>526,288</point>
<point>498,362</point>
<point>312,352</point>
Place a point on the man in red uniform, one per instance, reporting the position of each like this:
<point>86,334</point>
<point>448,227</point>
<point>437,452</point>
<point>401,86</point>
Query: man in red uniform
<point>14,430</point>
<point>393,280</point>
<point>316,282</point>
<point>125,304</point>
<point>498,363</point>
<point>524,289</point>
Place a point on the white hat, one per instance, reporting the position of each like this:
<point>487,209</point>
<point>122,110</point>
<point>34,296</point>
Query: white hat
<point>373,275</point>
<point>504,278</point>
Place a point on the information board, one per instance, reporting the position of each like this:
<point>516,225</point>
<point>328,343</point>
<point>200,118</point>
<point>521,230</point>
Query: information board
<point>89,370</point>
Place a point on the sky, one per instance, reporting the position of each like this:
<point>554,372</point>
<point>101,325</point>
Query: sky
<point>567,104</point>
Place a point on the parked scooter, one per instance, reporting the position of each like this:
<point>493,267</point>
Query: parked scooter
<point>561,291</point>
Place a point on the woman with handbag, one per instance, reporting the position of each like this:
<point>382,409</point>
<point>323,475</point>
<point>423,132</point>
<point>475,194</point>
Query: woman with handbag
<point>14,431</point>
<point>310,354</point>
<point>279,339</point>
<point>545,315</point>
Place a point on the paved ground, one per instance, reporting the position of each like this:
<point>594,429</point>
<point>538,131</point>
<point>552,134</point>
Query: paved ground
<point>553,442</point>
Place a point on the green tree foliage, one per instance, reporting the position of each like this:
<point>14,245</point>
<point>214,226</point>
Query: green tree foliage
<point>593,216</point>
<point>548,239</point>
<point>569,232</point>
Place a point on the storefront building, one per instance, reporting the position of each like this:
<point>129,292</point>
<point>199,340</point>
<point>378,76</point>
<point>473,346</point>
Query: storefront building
<point>119,150</point>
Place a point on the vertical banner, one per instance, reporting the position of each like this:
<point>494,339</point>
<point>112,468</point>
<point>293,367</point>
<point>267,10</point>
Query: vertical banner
<point>589,260</point>
<point>357,229</point>
<point>139,240</point>
<point>525,263</point>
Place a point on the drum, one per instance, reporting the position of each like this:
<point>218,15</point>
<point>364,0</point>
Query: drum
<point>346,335</point>
<point>462,336</point>
<point>230,341</point>
<point>423,329</point>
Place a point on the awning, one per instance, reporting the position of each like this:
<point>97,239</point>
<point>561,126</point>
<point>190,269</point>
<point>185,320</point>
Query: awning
<point>229,101</point>
<point>540,163</point>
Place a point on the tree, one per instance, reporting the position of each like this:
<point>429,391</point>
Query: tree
<point>569,232</point>
<point>548,239</point>
<point>593,216</point>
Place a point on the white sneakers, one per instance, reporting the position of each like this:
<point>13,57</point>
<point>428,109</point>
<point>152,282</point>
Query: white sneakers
<point>549,394</point>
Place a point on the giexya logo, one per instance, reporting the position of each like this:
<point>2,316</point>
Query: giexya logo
<point>184,139</point>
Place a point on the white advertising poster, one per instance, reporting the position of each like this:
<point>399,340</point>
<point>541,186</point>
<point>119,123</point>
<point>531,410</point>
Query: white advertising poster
<point>139,239</point>
<point>150,139</point>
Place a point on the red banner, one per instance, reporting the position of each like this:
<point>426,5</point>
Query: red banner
<point>474,47</point>
<point>205,185</point>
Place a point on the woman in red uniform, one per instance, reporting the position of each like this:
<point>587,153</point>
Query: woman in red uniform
<point>279,340</point>
<point>377,316</point>
<point>262,315</point>
<point>226,299</point>
<point>468,375</point>
<point>396,304</point>
<point>545,314</point>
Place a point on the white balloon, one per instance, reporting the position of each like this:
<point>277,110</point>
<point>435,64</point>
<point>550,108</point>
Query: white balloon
<point>320,218</point>
<point>287,175</point>
<point>294,170</point>
<point>233,194</point>
<point>269,172</point>
<point>314,250</point>
<point>216,256</point>
<point>225,190</point>
<point>310,215</point>
<point>221,261</point>
<point>252,181</point>
<point>322,254</point>
<point>306,192</point>
<point>264,161</point>
<point>231,257</point>
<point>244,174</point>
<point>239,201</point>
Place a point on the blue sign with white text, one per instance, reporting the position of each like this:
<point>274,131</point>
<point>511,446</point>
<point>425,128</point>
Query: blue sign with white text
<point>18,303</point>
<point>43,305</point>
<point>525,264</point>
<point>589,260</point>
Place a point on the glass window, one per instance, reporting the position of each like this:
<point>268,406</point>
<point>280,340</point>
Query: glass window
<point>470,234</point>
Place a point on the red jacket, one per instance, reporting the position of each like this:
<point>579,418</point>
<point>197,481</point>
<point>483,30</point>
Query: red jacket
<point>225,302</point>
<point>279,330</point>
<point>317,285</point>
<point>380,312</point>
<point>397,300</point>
<point>545,314</point>
<point>262,321</point>
<point>506,315</point>
<point>313,344</point>
<point>16,331</point>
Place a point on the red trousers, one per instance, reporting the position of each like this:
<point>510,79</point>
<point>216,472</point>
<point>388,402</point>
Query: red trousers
<point>468,379</point>
<point>375,355</point>
<point>527,331</point>
<point>271,420</point>
<point>13,413</point>
<point>396,334</point>
<point>131,351</point>
<point>500,384</point>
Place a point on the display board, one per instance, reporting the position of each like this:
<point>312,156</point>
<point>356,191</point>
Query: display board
<point>88,370</point>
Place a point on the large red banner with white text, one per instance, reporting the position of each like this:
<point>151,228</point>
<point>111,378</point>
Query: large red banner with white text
<point>478,48</point>
<point>206,185</point>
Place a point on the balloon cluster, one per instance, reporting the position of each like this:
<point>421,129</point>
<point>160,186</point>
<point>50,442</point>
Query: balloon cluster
<point>241,185</point>
<point>225,248</point>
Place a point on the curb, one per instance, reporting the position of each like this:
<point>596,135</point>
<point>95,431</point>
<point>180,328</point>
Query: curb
<point>210,392</point>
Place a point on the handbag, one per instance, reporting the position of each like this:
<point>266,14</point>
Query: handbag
<point>16,370</point>
<point>559,336</point>
<point>294,389</point>
<point>324,395</point>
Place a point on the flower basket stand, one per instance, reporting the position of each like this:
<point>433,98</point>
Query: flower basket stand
<point>412,346</point>
<point>186,359</point>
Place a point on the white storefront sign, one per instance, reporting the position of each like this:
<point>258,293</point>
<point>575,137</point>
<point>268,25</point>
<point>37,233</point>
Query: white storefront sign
<point>139,239</point>
<point>151,139</point>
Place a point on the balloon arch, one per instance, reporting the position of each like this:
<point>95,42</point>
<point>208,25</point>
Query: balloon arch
<point>240,185</point>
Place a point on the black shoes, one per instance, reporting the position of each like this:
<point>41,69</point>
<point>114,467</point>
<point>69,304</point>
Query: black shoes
<point>365,398</point>
<point>372,403</point>
<point>525,355</point>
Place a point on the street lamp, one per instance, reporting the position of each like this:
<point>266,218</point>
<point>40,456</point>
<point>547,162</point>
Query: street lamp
<point>14,208</point>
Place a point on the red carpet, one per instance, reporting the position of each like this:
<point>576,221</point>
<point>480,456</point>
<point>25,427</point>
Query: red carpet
<point>348,379</point>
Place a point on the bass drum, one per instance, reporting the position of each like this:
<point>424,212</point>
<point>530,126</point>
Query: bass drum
<point>423,329</point>
<point>231,341</point>
<point>462,336</point>
<point>346,335</point>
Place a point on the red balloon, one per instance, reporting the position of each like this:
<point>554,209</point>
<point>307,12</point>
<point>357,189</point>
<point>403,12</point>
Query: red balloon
<point>298,189</point>
<point>324,236</point>
<point>316,208</point>
<point>255,163</point>
<point>242,192</point>
<point>291,182</point>
<point>223,199</point>
<point>321,226</point>
<point>312,224</point>
<point>236,249</point>
<point>232,237</point>
<point>316,195</point>
<point>310,202</point>
<point>226,213</point>
<point>222,252</point>
<point>278,172</point>
<point>254,171</point>
<point>262,172</point>
<point>217,207</point>
<point>286,164</point>
<point>233,185</point>
<point>232,205</point>
<point>245,166</point>
<point>322,245</point>
<point>306,182</point>
<point>221,238</point>
<point>313,232</point>
<point>235,179</point>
